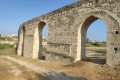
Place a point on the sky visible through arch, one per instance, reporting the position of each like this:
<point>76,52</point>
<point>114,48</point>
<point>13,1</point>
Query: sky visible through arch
<point>14,12</point>
<point>97,31</point>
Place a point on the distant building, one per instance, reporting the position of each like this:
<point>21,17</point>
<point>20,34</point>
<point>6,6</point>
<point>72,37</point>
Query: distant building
<point>3,35</point>
<point>13,35</point>
<point>93,41</point>
<point>44,38</point>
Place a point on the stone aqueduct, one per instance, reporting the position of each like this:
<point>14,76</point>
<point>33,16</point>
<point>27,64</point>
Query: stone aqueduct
<point>67,31</point>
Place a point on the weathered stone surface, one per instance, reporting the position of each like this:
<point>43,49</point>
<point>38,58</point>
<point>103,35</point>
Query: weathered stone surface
<point>67,31</point>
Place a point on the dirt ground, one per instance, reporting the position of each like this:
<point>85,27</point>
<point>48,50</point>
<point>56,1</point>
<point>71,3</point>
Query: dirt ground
<point>12,71</point>
<point>13,67</point>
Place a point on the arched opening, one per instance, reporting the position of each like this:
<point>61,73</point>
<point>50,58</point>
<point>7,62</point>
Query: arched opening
<point>96,42</point>
<point>40,41</point>
<point>82,39</point>
<point>20,50</point>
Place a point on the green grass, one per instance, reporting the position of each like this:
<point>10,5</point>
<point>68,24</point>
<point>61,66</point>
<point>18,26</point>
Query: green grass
<point>4,46</point>
<point>43,49</point>
<point>96,44</point>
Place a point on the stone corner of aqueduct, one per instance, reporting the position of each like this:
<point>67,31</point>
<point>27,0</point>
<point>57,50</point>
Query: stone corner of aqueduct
<point>67,29</point>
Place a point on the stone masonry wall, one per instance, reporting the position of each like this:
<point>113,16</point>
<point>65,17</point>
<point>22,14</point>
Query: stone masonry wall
<point>65,25</point>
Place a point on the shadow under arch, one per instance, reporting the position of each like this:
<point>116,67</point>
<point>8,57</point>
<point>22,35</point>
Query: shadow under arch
<point>21,36</point>
<point>38,37</point>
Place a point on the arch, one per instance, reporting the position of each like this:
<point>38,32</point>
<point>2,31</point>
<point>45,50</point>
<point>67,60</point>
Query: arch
<point>81,44</point>
<point>112,27</point>
<point>21,41</point>
<point>84,29</point>
<point>37,44</point>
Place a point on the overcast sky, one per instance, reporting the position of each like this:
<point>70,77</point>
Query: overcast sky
<point>14,12</point>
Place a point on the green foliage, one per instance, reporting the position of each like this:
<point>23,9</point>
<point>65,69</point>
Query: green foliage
<point>43,49</point>
<point>96,44</point>
<point>4,46</point>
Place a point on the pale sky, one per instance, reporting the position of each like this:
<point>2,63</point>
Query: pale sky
<point>14,12</point>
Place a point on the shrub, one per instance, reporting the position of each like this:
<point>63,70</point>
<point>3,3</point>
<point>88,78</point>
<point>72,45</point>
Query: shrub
<point>96,44</point>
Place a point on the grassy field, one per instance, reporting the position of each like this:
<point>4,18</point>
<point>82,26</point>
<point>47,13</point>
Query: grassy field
<point>7,49</point>
<point>96,44</point>
<point>4,46</point>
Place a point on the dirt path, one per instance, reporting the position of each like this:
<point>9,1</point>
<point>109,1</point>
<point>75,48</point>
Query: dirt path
<point>10,70</point>
<point>32,67</point>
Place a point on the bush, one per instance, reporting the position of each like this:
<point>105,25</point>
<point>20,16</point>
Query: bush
<point>96,44</point>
